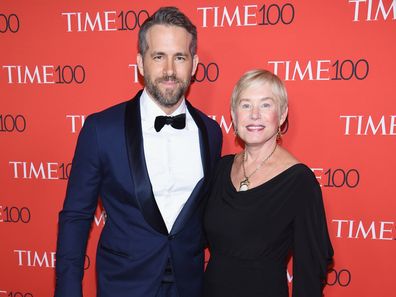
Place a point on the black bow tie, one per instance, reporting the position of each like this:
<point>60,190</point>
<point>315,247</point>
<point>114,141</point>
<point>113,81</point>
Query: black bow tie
<point>177,122</point>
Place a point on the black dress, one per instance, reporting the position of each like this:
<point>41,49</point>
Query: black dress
<point>252,233</point>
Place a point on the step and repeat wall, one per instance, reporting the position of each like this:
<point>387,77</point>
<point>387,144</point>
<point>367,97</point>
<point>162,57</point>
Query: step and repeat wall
<point>63,60</point>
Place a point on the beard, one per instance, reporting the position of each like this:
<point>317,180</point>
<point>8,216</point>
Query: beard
<point>168,97</point>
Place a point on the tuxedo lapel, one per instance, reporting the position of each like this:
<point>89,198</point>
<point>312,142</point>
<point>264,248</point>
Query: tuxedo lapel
<point>203,138</point>
<point>137,163</point>
<point>195,197</point>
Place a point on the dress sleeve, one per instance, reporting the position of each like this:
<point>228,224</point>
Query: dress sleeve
<point>312,249</point>
<point>214,181</point>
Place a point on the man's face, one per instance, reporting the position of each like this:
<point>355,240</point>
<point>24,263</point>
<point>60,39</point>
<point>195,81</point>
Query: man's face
<point>167,65</point>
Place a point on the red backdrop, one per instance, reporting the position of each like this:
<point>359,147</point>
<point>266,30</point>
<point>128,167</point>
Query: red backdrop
<point>62,60</point>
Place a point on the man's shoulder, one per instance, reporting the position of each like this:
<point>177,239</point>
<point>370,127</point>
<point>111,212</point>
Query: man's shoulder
<point>116,108</point>
<point>207,120</point>
<point>116,111</point>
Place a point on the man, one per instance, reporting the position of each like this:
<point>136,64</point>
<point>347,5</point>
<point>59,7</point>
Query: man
<point>151,174</point>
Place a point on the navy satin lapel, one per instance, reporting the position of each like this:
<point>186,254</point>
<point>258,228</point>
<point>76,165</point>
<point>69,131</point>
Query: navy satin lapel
<point>203,139</point>
<point>190,206</point>
<point>196,195</point>
<point>137,163</point>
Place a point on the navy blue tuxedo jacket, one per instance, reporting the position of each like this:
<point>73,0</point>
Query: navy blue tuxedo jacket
<point>134,245</point>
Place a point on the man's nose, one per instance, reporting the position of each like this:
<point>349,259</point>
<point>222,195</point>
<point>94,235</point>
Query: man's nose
<point>169,67</point>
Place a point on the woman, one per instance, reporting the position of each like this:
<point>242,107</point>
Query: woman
<point>263,205</point>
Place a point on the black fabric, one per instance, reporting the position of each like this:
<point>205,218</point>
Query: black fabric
<point>177,122</point>
<point>251,234</point>
<point>139,174</point>
<point>168,273</point>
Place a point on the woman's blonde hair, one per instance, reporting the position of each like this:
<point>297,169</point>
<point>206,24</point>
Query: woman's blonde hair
<point>260,76</point>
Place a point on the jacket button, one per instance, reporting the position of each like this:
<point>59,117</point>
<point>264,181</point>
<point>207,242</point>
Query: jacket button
<point>171,237</point>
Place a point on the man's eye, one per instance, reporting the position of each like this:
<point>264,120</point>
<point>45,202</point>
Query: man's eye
<point>180,58</point>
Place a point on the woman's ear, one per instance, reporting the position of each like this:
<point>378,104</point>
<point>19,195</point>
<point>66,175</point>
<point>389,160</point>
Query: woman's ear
<point>234,120</point>
<point>283,116</point>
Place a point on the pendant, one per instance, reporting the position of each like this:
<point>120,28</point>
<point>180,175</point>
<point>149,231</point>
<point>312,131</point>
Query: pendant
<point>244,185</point>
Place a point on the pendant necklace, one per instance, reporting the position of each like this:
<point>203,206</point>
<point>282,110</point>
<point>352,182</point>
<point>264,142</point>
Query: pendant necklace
<point>244,184</point>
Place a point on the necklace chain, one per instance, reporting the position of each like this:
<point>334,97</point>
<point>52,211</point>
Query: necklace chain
<point>244,184</point>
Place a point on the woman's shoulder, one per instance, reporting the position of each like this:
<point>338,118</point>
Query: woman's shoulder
<point>221,166</point>
<point>292,165</point>
<point>225,161</point>
<point>227,158</point>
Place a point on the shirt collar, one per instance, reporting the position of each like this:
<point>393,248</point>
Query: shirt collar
<point>149,110</point>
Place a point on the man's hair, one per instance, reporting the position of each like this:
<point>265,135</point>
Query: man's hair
<point>168,16</point>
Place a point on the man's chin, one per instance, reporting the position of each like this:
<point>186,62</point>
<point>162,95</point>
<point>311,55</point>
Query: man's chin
<point>167,100</point>
<point>166,96</point>
<point>171,98</point>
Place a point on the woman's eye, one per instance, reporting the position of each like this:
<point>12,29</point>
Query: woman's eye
<point>245,106</point>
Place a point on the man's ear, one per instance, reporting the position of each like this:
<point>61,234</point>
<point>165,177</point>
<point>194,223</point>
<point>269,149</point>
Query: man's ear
<point>139,61</point>
<point>195,64</point>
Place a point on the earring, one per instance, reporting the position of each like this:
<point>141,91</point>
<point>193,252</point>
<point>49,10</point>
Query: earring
<point>279,134</point>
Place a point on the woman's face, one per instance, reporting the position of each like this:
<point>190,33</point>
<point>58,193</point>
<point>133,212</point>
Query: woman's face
<point>257,115</point>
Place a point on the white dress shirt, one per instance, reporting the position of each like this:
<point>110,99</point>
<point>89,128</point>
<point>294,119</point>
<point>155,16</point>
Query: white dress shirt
<point>173,158</point>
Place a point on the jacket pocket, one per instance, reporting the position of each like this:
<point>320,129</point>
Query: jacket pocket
<point>115,249</point>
